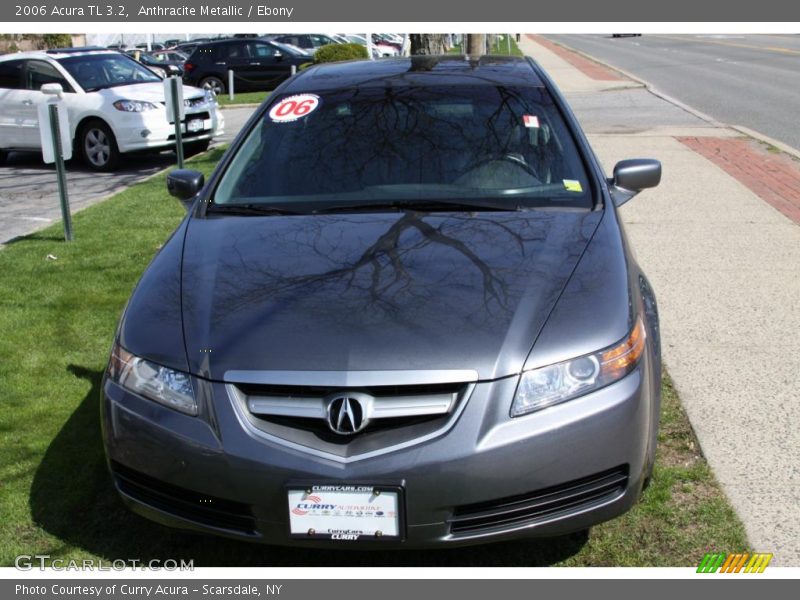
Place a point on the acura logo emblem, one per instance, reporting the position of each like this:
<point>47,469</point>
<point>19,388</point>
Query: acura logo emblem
<point>347,413</point>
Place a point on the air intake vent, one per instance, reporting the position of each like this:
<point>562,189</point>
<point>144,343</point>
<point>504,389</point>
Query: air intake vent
<point>542,504</point>
<point>207,510</point>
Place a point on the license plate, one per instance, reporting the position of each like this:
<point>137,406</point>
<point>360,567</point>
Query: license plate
<point>195,125</point>
<point>344,512</point>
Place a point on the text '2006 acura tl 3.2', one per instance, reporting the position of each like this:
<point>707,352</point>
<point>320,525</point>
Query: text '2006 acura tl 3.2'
<point>402,312</point>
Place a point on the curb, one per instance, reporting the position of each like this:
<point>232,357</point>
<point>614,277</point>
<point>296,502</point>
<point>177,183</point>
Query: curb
<point>244,105</point>
<point>685,107</point>
<point>785,148</point>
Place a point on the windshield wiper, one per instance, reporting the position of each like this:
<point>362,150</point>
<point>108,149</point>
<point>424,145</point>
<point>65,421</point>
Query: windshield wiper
<point>438,205</point>
<point>251,209</point>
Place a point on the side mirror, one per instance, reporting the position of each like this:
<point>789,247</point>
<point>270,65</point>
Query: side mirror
<point>632,176</point>
<point>52,89</point>
<point>185,184</point>
<point>278,55</point>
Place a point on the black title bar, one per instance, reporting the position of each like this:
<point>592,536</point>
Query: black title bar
<point>456,11</point>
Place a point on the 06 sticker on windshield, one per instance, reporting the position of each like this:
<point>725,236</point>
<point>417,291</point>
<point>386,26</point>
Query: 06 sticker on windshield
<point>292,108</point>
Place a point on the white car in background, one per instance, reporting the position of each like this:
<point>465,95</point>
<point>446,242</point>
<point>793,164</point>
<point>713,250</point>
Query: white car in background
<point>380,50</point>
<point>115,105</point>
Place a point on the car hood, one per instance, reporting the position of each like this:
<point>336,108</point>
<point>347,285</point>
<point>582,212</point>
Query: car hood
<point>150,92</point>
<point>364,292</point>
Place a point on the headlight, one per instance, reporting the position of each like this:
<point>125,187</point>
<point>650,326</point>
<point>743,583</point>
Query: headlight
<point>135,106</point>
<point>161,384</point>
<point>566,380</point>
<point>194,102</point>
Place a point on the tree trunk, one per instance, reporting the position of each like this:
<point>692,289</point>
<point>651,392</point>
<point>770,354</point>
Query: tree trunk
<point>428,43</point>
<point>476,44</point>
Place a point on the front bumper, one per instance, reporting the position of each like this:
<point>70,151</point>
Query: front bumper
<point>176,469</point>
<point>151,130</point>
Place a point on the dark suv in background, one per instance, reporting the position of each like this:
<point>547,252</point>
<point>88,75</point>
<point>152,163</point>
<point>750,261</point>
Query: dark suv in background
<point>256,64</point>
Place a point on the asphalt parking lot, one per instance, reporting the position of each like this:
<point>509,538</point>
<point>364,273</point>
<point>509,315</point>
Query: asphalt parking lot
<point>29,194</point>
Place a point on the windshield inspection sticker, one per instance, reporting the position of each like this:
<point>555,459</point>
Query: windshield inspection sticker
<point>292,108</point>
<point>572,185</point>
<point>530,121</point>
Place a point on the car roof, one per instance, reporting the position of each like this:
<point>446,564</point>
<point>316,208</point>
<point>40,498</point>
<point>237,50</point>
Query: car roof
<point>450,69</point>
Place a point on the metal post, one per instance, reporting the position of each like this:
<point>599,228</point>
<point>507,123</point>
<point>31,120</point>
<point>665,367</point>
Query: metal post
<point>55,128</point>
<point>176,114</point>
<point>294,69</point>
<point>369,45</point>
<point>508,43</point>
<point>230,84</point>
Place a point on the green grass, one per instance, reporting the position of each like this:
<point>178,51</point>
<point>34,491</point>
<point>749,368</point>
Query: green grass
<point>57,320</point>
<point>242,98</point>
<point>500,46</point>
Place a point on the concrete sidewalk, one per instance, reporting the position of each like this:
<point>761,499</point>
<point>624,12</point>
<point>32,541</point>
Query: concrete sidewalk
<point>726,268</point>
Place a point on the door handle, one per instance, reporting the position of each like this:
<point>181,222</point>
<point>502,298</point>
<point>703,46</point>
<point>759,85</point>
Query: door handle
<point>28,102</point>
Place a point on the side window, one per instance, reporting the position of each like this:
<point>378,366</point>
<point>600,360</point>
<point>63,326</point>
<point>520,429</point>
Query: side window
<point>319,40</point>
<point>11,74</point>
<point>294,40</point>
<point>262,50</point>
<point>38,72</point>
<point>236,50</point>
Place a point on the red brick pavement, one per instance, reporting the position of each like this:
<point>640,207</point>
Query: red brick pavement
<point>588,67</point>
<point>773,177</point>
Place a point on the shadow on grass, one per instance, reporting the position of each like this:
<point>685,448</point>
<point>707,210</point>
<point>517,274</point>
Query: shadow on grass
<point>72,498</point>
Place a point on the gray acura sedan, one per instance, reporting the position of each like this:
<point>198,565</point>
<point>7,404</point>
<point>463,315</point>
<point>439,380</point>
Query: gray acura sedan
<point>402,312</point>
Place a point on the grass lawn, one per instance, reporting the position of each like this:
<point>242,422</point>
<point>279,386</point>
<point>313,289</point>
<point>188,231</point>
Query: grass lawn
<point>500,47</point>
<point>57,321</point>
<point>243,98</point>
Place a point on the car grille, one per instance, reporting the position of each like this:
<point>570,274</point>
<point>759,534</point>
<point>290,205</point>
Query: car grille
<point>174,500</point>
<point>399,415</point>
<point>199,115</point>
<point>401,405</point>
<point>542,504</point>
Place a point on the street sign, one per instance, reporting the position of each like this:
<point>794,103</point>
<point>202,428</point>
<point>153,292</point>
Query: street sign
<point>46,133</point>
<point>173,87</point>
<point>173,94</point>
<point>57,144</point>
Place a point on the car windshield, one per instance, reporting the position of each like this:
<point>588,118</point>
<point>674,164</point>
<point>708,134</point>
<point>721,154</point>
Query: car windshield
<point>98,71</point>
<point>391,145</point>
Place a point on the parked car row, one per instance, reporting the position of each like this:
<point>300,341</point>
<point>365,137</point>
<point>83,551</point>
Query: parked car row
<point>115,105</point>
<point>257,64</point>
<point>115,98</point>
<point>384,44</point>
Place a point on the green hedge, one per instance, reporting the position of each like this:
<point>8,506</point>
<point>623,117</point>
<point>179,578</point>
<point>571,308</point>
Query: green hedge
<point>337,52</point>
